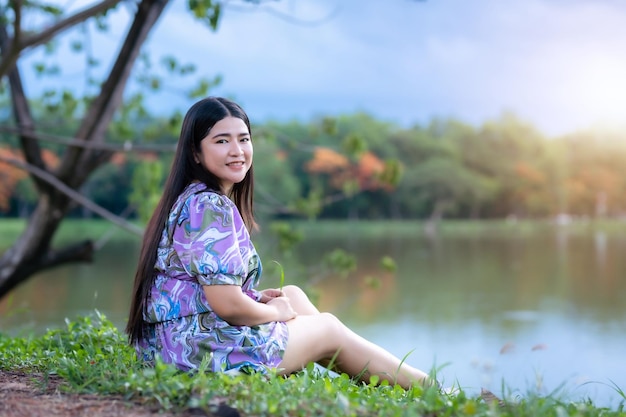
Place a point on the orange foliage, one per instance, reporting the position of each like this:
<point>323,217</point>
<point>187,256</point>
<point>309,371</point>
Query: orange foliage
<point>533,175</point>
<point>281,155</point>
<point>9,176</point>
<point>370,165</point>
<point>118,159</point>
<point>50,158</point>
<point>586,187</point>
<point>366,172</point>
<point>149,156</point>
<point>369,169</point>
<point>327,161</point>
<point>575,189</point>
<point>601,179</point>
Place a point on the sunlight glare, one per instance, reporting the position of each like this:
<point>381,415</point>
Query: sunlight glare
<point>599,88</point>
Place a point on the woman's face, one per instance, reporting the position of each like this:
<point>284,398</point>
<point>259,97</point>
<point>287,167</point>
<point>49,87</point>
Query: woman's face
<point>227,152</point>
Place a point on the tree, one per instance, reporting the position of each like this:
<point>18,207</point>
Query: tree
<point>100,115</point>
<point>58,187</point>
<point>275,186</point>
<point>594,183</point>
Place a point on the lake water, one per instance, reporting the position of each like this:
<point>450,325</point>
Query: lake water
<point>531,312</point>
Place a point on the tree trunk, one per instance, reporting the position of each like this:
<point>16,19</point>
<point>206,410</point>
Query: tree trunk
<point>32,251</point>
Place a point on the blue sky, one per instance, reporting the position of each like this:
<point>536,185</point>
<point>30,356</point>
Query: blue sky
<point>558,64</point>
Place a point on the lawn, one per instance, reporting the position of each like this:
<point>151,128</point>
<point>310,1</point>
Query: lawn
<point>90,356</point>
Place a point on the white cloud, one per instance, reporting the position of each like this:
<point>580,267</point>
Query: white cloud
<point>559,64</point>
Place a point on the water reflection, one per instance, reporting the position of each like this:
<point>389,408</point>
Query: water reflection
<point>538,312</point>
<point>48,298</point>
<point>535,310</point>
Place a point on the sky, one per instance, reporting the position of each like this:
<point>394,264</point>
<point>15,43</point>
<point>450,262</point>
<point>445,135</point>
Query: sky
<point>557,64</point>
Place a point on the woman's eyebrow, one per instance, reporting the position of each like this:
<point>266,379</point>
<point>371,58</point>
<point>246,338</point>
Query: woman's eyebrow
<point>226,134</point>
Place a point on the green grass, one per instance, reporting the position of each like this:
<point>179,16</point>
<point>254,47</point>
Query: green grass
<point>497,227</point>
<point>91,356</point>
<point>11,229</point>
<point>96,228</point>
<point>70,230</point>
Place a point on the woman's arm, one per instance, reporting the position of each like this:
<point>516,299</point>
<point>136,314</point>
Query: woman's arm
<point>235,307</point>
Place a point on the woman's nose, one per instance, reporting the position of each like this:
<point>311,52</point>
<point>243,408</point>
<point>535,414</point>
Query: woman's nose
<point>235,148</point>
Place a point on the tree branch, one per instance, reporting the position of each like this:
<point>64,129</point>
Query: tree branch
<point>9,48</point>
<point>23,117</point>
<point>10,57</point>
<point>75,252</point>
<point>81,251</point>
<point>17,26</point>
<point>47,34</point>
<point>77,163</point>
<point>12,275</point>
<point>127,146</point>
<point>74,195</point>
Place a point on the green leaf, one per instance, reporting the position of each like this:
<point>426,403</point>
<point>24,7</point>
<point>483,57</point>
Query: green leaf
<point>39,67</point>
<point>392,173</point>
<point>329,126</point>
<point>170,63</point>
<point>76,46</point>
<point>373,282</point>
<point>288,237</point>
<point>215,17</point>
<point>146,186</point>
<point>282,274</point>
<point>340,261</point>
<point>388,264</point>
<point>354,145</point>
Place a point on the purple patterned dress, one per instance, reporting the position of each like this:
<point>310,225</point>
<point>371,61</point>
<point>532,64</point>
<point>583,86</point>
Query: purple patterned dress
<point>205,242</point>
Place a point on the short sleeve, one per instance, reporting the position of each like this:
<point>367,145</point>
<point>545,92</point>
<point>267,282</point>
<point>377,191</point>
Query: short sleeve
<point>205,238</point>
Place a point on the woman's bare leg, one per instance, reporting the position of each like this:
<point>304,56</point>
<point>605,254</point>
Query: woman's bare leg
<point>299,300</point>
<point>319,337</point>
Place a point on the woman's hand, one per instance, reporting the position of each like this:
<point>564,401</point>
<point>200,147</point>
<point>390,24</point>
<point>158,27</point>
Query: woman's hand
<point>238,309</point>
<point>283,306</point>
<point>269,294</point>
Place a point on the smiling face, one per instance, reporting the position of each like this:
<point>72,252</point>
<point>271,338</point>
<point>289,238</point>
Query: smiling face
<point>226,152</point>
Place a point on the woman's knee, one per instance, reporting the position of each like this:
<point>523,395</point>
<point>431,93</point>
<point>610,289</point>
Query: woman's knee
<point>334,327</point>
<point>293,291</point>
<point>314,337</point>
<point>326,330</point>
<point>299,300</point>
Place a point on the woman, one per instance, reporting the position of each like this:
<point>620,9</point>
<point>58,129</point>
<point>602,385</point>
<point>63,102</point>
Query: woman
<point>195,294</point>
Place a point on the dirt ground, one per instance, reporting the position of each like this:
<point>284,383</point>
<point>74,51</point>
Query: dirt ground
<point>22,396</point>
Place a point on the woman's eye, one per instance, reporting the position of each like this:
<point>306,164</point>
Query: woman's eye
<point>246,139</point>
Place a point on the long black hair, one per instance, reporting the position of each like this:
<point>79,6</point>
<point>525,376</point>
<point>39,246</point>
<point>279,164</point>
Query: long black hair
<point>198,121</point>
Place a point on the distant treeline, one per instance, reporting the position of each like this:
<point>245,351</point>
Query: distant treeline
<point>355,166</point>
